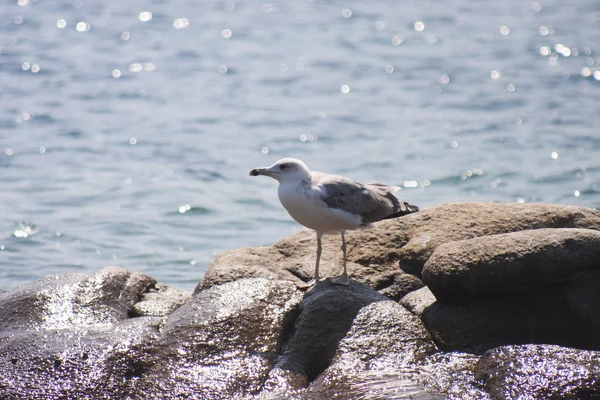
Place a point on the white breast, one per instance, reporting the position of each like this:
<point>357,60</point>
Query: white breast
<point>305,206</point>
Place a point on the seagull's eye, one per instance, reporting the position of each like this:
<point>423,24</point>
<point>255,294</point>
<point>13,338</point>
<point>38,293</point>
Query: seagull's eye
<point>283,167</point>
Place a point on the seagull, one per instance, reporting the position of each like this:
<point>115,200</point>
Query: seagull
<point>332,203</point>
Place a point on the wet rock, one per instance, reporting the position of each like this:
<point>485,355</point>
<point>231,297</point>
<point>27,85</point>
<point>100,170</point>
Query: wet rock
<point>540,372</point>
<point>221,343</point>
<point>161,300</point>
<point>510,263</point>
<point>73,299</point>
<point>374,254</point>
<point>339,333</point>
<point>70,336</point>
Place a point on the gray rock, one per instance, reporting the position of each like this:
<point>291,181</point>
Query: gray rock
<point>161,300</point>
<point>416,302</point>
<point>537,286</point>
<point>540,372</point>
<point>221,343</point>
<point>401,285</point>
<point>374,254</point>
<point>513,263</point>
<point>556,314</point>
<point>340,333</point>
<point>70,336</point>
<point>73,299</point>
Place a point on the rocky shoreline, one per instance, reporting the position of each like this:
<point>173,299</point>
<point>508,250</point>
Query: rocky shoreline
<point>459,301</point>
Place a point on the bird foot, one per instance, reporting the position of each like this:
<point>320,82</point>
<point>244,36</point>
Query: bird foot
<point>309,284</point>
<point>340,280</point>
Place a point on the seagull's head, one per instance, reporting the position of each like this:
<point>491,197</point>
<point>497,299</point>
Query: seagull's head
<point>284,170</point>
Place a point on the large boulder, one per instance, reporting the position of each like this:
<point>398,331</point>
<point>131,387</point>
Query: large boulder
<point>536,286</point>
<point>377,256</point>
<point>70,336</point>
<point>340,336</point>
<point>512,263</point>
<point>220,344</point>
<point>412,239</point>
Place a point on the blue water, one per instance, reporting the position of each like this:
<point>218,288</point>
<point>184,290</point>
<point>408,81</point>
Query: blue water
<point>127,129</point>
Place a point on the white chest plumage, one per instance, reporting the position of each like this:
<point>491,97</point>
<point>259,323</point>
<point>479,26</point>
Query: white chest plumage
<point>303,203</point>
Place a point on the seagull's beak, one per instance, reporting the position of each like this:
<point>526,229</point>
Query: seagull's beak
<point>258,171</point>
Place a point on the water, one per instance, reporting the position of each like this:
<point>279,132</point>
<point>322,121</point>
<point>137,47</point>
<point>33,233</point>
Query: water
<point>127,129</point>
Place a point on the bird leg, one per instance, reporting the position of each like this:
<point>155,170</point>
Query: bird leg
<point>319,249</point>
<point>343,278</point>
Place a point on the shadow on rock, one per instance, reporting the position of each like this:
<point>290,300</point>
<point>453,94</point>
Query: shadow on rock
<point>322,320</point>
<point>537,286</point>
<point>339,333</point>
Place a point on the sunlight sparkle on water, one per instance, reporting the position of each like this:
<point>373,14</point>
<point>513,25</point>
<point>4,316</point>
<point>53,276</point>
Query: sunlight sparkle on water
<point>554,155</point>
<point>345,89</point>
<point>61,23</point>
<point>181,23</point>
<point>82,26</point>
<point>346,13</point>
<point>145,16</point>
<point>495,74</point>
<point>226,33</point>
<point>504,30</point>
<point>397,40</point>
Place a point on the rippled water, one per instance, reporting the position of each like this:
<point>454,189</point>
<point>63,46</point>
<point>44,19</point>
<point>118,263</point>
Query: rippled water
<point>128,128</point>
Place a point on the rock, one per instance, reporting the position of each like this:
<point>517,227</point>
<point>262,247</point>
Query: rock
<point>401,285</point>
<point>555,314</point>
<point>76,336</point>
<point>416,302</point>
<point>512,263</point>
<point>70,336</point>
<point>537,286</point>
<point>161,300</point>
<point>374,254</point>
<point>339,333</point>
<point>412,239</point>
<point>540,372</point>
<point>73,299</point>
<point>221,343</point>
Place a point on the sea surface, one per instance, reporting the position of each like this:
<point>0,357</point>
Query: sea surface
<point>128,128</point>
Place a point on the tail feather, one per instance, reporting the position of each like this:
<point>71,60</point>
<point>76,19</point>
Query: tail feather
<point>407,209</point>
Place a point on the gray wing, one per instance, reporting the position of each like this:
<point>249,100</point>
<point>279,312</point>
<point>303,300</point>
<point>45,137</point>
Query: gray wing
<point>372,202</point>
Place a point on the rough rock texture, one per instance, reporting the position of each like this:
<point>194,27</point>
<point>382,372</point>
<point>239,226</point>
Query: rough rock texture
<point>540,372</point>
<point>503,278</point>
<point>70,336</point>
<point>221,343</point>
<point>374,253</point>
<point>412,239</point>
<point>416,302</point>
<point>512,263</point>
<point>161,300</point>
<point>537,286</point>
<point>340,335</point>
